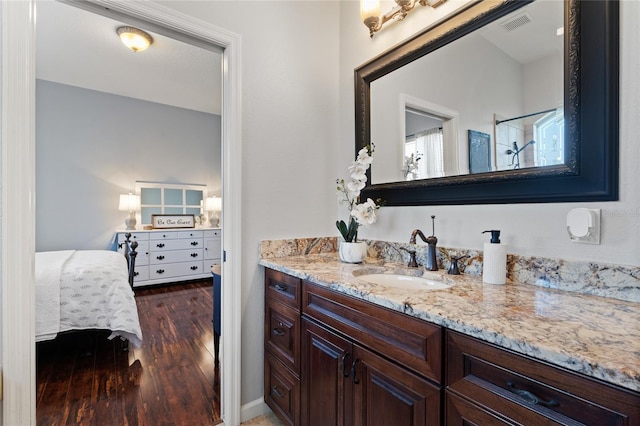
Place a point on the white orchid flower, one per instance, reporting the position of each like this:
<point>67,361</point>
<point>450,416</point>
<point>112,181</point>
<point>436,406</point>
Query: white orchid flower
<point>365,213</point>
<point>363,157</point>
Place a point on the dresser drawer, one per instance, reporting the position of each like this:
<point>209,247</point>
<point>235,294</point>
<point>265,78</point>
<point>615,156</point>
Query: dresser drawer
<point>413,343</point>
<point>527,391</point>
<point>175,270</point>
<point>172,256</point>
<point>175,244</point>
<point>283,288</point>
<point>212,233</point>
<point>140,273</point>
<point>142,251</point>
<point>282,333</point>
<point>135,236</point>
<point>190,234</point>
<point>281,390</point>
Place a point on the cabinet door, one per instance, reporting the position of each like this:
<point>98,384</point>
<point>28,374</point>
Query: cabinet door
<point>325,382</point>
<point>387,394</point>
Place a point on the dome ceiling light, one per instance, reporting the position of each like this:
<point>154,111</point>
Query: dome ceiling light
<point>134,38</point>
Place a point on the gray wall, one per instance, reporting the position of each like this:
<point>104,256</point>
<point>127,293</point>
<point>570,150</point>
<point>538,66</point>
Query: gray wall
<point>92,146</point>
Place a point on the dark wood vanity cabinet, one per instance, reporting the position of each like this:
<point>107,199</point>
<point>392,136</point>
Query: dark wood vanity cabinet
<point>344,384</point>
<point>282,345</point>
<point>490,385</point>
<point>333,359</point>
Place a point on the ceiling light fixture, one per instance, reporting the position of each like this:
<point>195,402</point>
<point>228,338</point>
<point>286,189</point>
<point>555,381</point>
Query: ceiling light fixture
<point>134,38</point>
<point>370,11</point>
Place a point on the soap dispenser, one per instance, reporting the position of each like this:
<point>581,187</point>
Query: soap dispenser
<point>494,266</point>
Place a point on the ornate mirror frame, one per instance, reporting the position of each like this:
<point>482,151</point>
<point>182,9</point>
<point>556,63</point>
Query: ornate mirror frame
<point>591,62</point>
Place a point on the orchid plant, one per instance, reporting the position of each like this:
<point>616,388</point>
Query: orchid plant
<point>365,213</point>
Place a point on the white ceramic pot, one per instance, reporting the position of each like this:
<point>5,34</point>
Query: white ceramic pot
<point>352,252</point>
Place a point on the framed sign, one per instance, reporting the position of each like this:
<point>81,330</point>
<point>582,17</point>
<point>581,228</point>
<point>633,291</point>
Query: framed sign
<point>166,221</point>
<point>479,152</point>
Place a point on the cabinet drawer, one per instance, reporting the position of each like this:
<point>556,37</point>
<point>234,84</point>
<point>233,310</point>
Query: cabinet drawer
<point>212,233</point>
<point>282,333</point>
<point>172,256</point>
<point>175,270</point>
<point>528,391</point>
<point>142,257</point>
<point>283,287</point>
<point>135,236</point>
<point>140,273</point>
<point>413,343</point>
<point>190,234</point>
<point>281,390</point>
<point>177,244</point>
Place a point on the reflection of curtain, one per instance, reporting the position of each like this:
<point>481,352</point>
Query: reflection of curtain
<point>430,143</point>
<point>424,157</point>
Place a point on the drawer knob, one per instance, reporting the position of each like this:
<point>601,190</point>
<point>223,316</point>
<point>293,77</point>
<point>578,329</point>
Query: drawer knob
<point>531,398</point>
<point>160,245</point>
<point>159,257</point>
<point>277,392</point>
<point>278,332</point>
<point>194,254</point>
<point>160,271</point>
<point>194,243</point>
<point>194,268</point>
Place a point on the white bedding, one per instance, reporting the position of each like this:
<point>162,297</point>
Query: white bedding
<point>85,289</point>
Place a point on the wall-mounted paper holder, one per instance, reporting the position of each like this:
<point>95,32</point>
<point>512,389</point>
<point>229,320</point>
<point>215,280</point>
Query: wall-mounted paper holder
<point>583,225</point>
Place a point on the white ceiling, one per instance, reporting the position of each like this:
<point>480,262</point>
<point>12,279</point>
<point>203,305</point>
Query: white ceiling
<point>534,40</point>
<point>82,49</point>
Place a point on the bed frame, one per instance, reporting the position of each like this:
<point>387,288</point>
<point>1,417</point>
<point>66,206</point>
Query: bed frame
<point>130,254</point>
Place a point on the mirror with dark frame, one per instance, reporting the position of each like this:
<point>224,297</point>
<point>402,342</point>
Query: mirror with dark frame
<point>504,146</point>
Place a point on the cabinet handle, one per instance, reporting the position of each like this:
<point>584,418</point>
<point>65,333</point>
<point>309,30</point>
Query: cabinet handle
<point>194,254</point>
<point>277,392</point>
<point>160,245</point>
<point>159,257</point>
<point>354,371</point>
<point>194,268</point>
<point>345,371</point>
<point>280,288</point>
<point>194,243</point>
<point>120,245</point>
<point>160,271</point>
<point>531,398</point>
<point>278,332</point>
<point>135,274</point>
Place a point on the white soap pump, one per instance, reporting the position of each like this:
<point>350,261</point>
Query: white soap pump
<point>494,265</point>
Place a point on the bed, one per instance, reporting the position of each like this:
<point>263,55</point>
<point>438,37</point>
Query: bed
<point>85,289</point>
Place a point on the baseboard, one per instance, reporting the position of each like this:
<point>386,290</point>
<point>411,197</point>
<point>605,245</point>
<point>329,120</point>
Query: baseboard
<point>253,409</point>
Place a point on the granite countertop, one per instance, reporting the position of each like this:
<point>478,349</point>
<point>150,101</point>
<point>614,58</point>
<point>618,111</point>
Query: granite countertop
<point>592,335</point>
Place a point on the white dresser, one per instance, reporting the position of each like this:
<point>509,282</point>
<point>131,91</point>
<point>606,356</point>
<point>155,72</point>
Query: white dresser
<point>173,255</point>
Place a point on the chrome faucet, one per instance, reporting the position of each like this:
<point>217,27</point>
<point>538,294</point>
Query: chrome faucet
<point>432,263</point>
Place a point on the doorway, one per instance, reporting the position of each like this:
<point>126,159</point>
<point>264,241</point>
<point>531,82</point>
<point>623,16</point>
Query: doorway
<point>18,49</point>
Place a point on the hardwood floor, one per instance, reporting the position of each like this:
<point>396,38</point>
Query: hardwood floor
<point>85,379</point>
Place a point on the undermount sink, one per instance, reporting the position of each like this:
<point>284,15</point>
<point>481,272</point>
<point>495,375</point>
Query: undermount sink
<point>406,280</point>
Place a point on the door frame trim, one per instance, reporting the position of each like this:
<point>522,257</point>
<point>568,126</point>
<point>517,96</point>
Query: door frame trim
<point>18,198</point>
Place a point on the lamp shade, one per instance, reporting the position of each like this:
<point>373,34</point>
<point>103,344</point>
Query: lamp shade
<point>213,204</point>
<point>129,202</point>
<point>369,9</point>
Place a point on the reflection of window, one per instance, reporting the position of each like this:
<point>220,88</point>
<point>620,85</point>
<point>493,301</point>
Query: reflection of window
<point>424,155</point>
<point>164,198</point>
<point>549,137</point>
